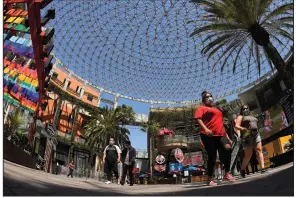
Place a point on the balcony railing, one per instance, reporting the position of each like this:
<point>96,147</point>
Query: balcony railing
<point>57,81</point>
<point>72,91</point>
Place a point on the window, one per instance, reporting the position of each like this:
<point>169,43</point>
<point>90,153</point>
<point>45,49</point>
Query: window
<point>54,76</point>
<point>78,89</point>
<point>90,98</point>
<point>69,83</point>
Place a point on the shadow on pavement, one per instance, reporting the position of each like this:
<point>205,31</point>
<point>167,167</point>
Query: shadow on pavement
<point>272,184</point>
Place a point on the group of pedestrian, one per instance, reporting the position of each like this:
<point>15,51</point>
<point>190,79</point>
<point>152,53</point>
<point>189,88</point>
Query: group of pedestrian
<point>113,156</point>
<point>216,140</point>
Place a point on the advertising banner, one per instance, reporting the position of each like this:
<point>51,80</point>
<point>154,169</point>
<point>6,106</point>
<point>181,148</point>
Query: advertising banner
<point>193,159</point>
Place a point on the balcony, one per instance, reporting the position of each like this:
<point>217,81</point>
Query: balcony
<point>167,142</point>
<point>72,91</point>
<point>57,81</point>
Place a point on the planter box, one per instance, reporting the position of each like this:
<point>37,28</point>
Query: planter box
<point>199,178</point>
<point>196,179</point>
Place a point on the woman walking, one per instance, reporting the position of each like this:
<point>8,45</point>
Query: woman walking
<point>213,136</point>
<point>251,139</point>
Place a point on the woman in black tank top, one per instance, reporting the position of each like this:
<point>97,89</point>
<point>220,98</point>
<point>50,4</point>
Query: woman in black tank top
<point>247,124</point>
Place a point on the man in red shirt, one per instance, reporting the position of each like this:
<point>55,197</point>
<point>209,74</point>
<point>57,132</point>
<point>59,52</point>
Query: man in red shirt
<point>213,136</point>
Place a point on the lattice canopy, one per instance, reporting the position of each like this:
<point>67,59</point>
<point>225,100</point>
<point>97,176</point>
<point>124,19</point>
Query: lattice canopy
<point>142,49</point>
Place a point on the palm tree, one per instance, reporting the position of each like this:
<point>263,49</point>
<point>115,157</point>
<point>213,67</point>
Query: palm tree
<point>16,122</point>
<point>234,26</point>
<point>104,124</point>
<point>126,114</point>
<point>152,128</point>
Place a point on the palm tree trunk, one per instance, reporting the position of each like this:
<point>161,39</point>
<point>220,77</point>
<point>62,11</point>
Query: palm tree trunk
<point>279,64</point>
<point>6,113</point>
<point>151,155</point>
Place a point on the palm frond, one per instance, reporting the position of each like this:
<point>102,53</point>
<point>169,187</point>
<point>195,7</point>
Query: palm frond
<point>217,27</point>
<point>234,19</point>
<point>250,56</point>
<point>257,52</point>
<point>278,11</point>
<point>274,28</point>
<point>236,58</point>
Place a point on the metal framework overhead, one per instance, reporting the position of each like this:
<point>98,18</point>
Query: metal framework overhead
<point>141,50</point>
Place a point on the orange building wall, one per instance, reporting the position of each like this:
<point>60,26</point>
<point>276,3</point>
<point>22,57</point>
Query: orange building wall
<point>61,74</point>
<point>48,115</point>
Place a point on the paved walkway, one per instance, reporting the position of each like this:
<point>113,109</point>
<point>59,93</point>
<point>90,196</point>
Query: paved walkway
<point>22,181</point>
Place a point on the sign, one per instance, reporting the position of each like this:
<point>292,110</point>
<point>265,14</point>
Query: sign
<point>186,173</point>
<point>178,153</point>
<point>50,130</point>
<point>287,103</point>
<point>160,159</point>
<point>176,167</point>
<point>193,159</point>
<point>160,168</point>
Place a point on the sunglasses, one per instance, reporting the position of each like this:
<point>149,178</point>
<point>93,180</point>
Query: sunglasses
<point>207,96</point>
<point>245,108</point>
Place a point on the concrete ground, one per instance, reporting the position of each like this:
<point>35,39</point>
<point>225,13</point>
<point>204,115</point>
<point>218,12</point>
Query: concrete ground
<point>22,181</point>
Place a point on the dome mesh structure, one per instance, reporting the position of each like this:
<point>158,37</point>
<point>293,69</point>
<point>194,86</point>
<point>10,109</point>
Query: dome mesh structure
<point>142,49</point>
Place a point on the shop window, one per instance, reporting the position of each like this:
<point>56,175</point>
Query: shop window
<point>54,76</point>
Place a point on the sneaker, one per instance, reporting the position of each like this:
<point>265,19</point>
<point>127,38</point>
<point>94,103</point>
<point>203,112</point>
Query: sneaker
<point>219,178</point>
<point>228,177</point>
<point>212,183</point>
<point>131,185</point>
<point>264,171</point>
<point>108,182</point>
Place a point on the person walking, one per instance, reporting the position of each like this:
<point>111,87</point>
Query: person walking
<point>111,159</point>
<point>213,136</point>
<point>71,169</point>
<point>251,138</point>
<point>236,143</point>
<point>128,157</point>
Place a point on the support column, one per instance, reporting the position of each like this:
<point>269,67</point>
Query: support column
<point>82,90</point>
<point>116,98</point>
<point>67,81</point>
<point>99,98</point>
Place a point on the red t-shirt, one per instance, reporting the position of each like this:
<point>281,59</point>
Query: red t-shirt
<point>212,118</point>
